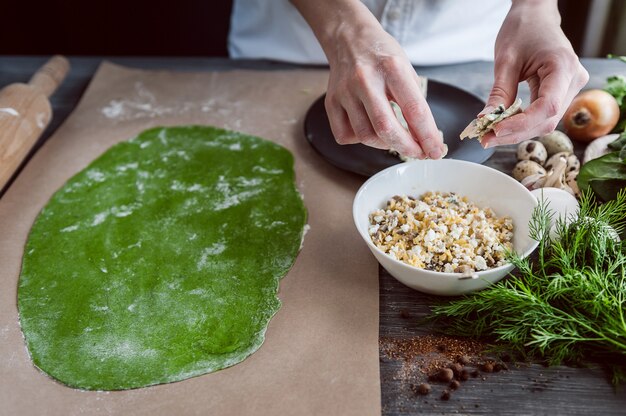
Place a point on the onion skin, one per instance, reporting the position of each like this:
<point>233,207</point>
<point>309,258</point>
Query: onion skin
<point>592,114</point>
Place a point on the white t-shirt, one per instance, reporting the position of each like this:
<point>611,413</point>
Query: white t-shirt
<point>432,32</point>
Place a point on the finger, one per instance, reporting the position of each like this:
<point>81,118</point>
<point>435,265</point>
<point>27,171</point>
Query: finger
<point>578,81</point>
<point>533,86</point>
<point>362,127</point>
<point>504,90</point>
<point>551,94</point>
<point>387,126</point>
<point>339,122</point>
<point>491,140</point>
<point>417,114</point>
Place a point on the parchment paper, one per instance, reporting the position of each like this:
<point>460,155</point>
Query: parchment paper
<point>321,351</point>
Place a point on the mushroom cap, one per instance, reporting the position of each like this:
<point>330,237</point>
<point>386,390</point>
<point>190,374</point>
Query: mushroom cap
<point>598,147</point>
<point>573,164</point>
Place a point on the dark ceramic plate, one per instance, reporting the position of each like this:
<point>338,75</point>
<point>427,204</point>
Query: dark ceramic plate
<point>453,109</point>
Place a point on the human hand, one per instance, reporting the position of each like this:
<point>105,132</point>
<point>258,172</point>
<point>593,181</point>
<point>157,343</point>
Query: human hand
<point>532,47</point>
<point>368,69</point>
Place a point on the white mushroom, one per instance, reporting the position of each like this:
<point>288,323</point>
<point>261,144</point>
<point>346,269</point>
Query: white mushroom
<point>535,181</point>
<point>526,168</point>
<point>599,147</point>
<point>557,142</point>
<point>570,180</point>
<point>556,176</point>
<point>572,162</point>
<point>532,150</point>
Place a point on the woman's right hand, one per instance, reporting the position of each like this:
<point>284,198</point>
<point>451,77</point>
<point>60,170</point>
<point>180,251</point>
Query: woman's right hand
<point>368,69</point>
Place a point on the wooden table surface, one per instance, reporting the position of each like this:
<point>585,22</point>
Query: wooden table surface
<point>523,389</point>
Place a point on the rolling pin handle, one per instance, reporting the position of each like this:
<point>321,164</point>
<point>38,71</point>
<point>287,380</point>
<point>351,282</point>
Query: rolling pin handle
<point>50,76</point>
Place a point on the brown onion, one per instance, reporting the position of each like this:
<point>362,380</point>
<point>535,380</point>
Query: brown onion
<point>592,114</point>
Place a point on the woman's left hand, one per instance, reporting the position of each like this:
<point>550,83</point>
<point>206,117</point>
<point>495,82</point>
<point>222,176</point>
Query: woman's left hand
<point>532,47</point>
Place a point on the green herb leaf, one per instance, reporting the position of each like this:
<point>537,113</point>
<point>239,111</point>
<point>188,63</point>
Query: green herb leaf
<point>610,168</point>
<point>621,58</point>
<point>616,86</point>
<point>619,143</point>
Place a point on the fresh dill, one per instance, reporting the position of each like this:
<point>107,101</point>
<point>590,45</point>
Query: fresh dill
<point>567,303</point>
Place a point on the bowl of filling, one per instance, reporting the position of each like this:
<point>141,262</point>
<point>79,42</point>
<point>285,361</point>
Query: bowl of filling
<point>444,226</point>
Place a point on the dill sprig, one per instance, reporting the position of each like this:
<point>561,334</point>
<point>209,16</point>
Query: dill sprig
<point>566,303</point>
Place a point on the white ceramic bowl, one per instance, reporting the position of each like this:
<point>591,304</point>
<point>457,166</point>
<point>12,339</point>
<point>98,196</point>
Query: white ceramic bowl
<point>484,186</point>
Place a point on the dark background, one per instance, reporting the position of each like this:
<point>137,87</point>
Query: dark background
<point>115,27</point>
<point>150,28</point>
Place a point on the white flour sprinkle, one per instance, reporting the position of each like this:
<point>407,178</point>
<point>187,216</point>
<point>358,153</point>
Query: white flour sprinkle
<point>40,119</point>
<point>213,250</point>
<point>99,218</point>
<point>10,111</point>
<point>143,103</point>
<point>305,230</point>
<point>261,169</point>
<point>96,175</point>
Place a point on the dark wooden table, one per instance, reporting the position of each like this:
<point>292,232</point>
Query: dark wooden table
<point>523,389</point>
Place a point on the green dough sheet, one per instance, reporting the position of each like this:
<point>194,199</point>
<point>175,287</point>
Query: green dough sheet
<point>161,260</point>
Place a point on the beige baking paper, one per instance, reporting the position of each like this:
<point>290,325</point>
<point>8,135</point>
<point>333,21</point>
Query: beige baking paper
<point>320,356</point>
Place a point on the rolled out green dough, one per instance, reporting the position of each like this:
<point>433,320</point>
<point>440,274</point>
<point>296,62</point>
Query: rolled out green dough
<point>161,260</point>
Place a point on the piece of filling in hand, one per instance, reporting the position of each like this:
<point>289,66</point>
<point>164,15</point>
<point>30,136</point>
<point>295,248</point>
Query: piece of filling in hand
<point>423,86</point>
<point>483,125</point>
<point>403,123</point>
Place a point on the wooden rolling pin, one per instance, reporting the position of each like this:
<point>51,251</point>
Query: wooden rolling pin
<point>24,114</point>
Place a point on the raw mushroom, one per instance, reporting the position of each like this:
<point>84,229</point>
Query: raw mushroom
<point>556,177</point>
<point>572,162</point>
<point>599,147</point>
<point>557,142</point>
<point>526,168</point>
<point>535,181</point>
<point>532,150</point>
<point>570,179</point>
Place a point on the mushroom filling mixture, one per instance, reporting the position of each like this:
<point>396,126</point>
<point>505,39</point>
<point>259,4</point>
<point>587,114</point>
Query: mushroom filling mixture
<point>443,232</point>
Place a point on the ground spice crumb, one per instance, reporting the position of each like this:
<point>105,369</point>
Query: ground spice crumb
<point>438,358</point>
<point>487,367</point>
<point>463,359</point>
<point>464,376</point>
<point>455,385</point>
<point>456,368</point>
<point>445,395</point>
<point>423,388</point>
<point>405,314</point>
<point>445,375</point>
<point>437,351</point>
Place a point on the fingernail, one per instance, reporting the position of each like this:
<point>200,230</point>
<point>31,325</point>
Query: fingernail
<point>502,132</point>
<point>434,154</point>
<point>487,145</point>
<point>486,110</point>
